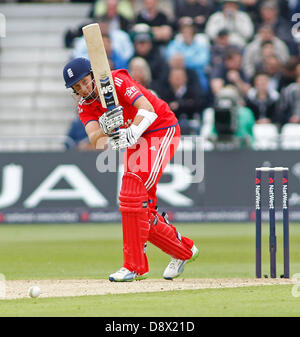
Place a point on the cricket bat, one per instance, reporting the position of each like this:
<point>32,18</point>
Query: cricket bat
<point>100,66</point>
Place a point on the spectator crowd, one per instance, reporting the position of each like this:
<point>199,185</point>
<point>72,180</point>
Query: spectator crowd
<point>236,59</point>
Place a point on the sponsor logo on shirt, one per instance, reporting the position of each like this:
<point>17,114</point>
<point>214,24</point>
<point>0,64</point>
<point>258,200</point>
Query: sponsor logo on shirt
<point>131,91</point>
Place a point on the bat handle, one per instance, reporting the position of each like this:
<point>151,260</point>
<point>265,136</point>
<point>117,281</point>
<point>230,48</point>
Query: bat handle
<point>111,108</point>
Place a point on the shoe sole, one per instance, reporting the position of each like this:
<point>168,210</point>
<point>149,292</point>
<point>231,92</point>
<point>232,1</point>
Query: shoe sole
<point>124,280</point>
<point>181,268</point>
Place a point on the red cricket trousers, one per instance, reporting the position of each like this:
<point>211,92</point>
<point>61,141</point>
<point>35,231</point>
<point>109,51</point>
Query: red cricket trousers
<point>148,159</point>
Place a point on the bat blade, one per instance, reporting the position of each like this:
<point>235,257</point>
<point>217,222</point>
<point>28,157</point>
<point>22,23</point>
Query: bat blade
<point>100,66</point>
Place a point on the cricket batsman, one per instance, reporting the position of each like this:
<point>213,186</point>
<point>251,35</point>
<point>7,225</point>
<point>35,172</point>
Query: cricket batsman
<point>149,132</point>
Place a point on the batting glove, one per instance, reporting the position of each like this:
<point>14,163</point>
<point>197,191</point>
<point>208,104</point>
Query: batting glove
<point>111,120</point>
<point>123,138</point>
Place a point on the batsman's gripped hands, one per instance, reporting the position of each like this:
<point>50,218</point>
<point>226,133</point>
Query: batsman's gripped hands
<point>123,138</point>
<point>111,120</point>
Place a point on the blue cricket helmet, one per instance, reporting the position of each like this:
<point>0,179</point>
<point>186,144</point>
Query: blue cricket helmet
<point>76,70</point>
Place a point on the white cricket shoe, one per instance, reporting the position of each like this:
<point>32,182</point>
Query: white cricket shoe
<point>125,275</point>
<point>122,275</point>
<point>176,266</point>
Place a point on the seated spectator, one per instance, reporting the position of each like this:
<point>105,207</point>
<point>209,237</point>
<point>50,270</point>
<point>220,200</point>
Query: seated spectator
<point>124,9</point>
<point>232,122</point>
<point>230,72</point>
<point>253,57</point>
<point>110,10</point>
<point>289,73</point>
<point>219,48</point>
<point>263,101</point>
<point>78,136</point>
<point>72,34</point>
<point>182,98</point>
<point>120,42</point>
<point>267,51</point>
<point>237,22</point>
<point>273,67</point>
<point>123,19</point>
<point>195,49</point>
<point>290,103</point>
<point>140,71</point>
<point>198,10</point>
<point>177,61</point>
<point>118,57</point>
<point>157,20</point>
<point>269,14</point>
<point>142,37</point>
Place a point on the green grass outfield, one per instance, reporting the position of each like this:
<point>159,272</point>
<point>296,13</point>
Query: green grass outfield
<point>29,252</point>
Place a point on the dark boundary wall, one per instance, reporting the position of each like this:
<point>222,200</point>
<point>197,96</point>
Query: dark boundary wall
<point>67,188</point>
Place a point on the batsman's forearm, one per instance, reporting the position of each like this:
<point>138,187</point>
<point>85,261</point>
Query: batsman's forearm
<point>102,143</point>
<point>96,138</point>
